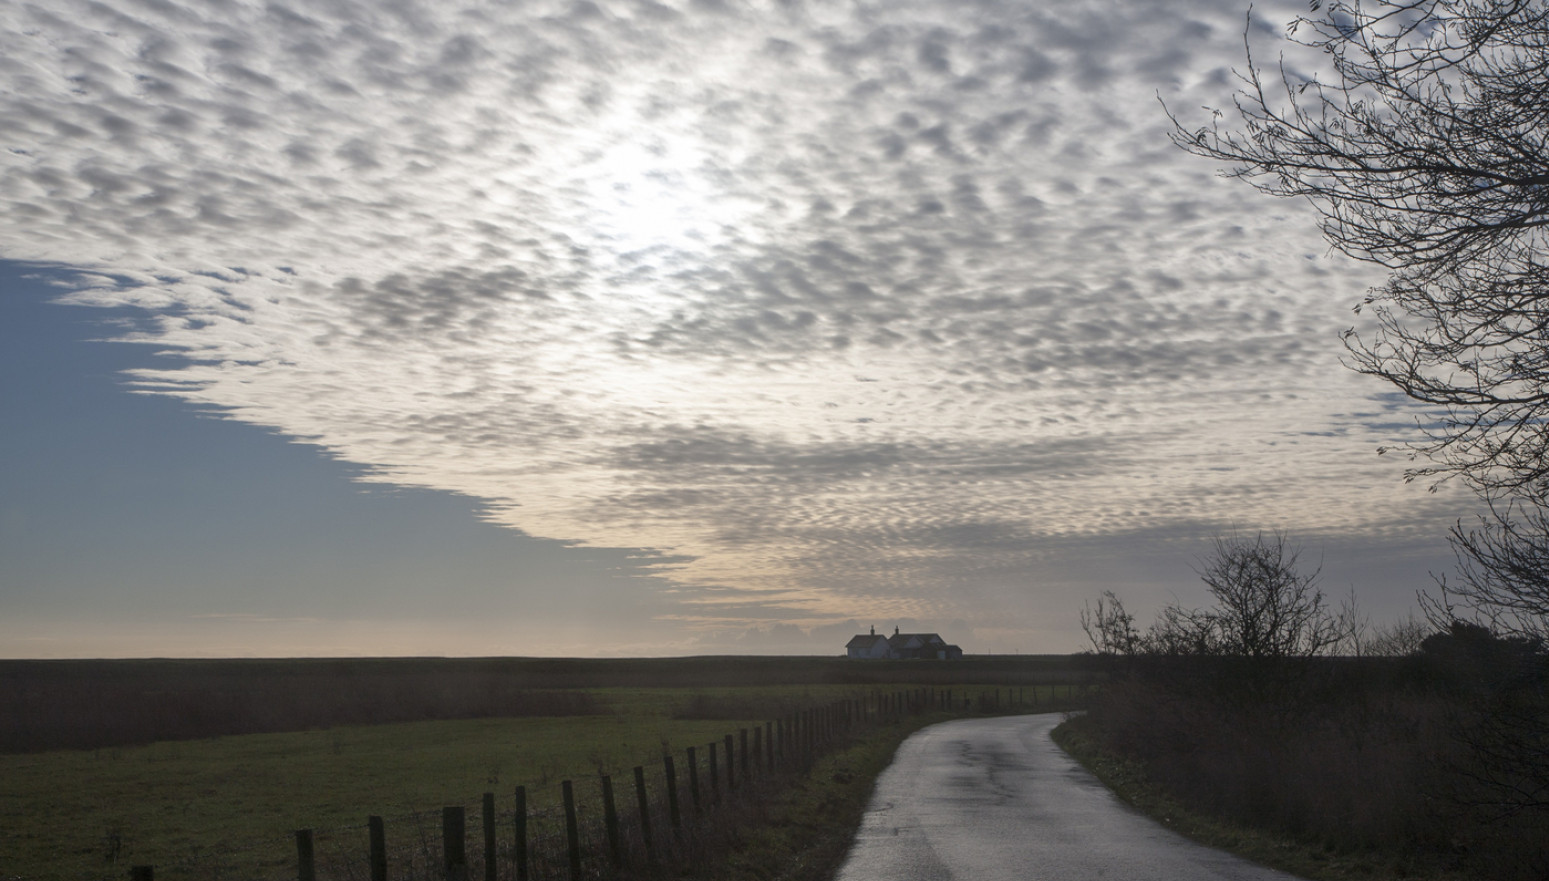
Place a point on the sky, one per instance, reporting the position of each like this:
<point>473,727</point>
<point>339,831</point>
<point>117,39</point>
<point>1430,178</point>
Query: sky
<point>638,328</point>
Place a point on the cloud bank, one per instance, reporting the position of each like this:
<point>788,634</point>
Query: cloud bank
<point>845,309</point>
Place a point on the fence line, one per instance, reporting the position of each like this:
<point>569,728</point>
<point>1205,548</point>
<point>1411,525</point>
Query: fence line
<point>583,839</point>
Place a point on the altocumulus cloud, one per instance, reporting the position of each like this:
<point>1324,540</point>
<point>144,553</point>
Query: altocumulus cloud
<point>845,308</point>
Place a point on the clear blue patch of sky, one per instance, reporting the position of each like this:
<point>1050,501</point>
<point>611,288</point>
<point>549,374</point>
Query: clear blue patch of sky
<point>137,504</point>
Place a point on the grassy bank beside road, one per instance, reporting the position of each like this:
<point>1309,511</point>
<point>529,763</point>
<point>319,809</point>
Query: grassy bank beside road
<point>1333,769</point>
<point>804,834</point>
<point>1307,859</point>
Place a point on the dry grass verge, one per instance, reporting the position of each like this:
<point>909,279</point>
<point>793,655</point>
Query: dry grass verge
<point>1130,781</point>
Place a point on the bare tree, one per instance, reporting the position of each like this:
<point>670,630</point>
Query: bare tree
<point>1399,638</point>
<point>1426,154</point>
<point>1352,628</point>
<point>1503,570</point>
<point>1266,605</point>
<point>1109,627</point>
<point>1179,632</point>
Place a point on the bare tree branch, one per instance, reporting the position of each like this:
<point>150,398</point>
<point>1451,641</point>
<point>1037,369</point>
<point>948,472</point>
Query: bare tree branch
<point>1426,155</point>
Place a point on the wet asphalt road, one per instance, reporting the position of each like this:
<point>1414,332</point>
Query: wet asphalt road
<point>988,799</point>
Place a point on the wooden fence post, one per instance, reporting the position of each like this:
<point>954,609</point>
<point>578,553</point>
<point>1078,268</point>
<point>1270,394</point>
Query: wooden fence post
<point>378,848</point>
<point>610,820</point>
<point>758,750</point>
<point>454,842</point>
<point>743,756</point>
<point>715,776</point>
<point>673,816</point>
<point>731,766</point>
<point>693,780</point>
<point>769,743</point>
<point>306,868</point>
<point>645,815</point>
<point>491,861</point>
<point>142,873</point>
<point>521,834</point>
<point>572,830</point>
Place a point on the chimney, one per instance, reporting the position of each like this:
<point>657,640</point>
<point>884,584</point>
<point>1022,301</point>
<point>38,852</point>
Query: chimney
<point>873,630</point>
<point>895,629</point>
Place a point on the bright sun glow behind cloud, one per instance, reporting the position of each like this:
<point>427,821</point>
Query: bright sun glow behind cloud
<point>653,195</point>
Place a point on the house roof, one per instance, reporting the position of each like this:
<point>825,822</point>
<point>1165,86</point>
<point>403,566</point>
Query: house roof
<point>903,639</point>
<point>861,640</point>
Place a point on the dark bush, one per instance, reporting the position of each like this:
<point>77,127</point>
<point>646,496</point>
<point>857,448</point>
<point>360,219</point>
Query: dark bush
<point>1347,753</point>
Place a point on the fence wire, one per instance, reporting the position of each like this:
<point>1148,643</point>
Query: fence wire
<point>729,800</point>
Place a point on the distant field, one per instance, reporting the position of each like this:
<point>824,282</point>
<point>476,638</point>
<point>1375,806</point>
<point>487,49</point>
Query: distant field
<point>235,800</point>
<point>92,704</point>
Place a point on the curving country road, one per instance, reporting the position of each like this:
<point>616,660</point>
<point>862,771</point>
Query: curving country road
<point>987,799</point>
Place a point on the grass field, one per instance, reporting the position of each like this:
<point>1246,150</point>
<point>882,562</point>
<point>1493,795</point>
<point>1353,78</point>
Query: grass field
<point>77,814</point>
<point>323,744</point>
<point>88,704</point>
<point>84,814</point>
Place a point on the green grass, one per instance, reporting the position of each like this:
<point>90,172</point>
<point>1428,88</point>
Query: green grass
<point>179,804</point>
<point>1129,781</point>
<point>236,801</point>
<point>166,802</point>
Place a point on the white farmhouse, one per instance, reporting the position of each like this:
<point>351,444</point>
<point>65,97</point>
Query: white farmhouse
<point>901,646</point>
